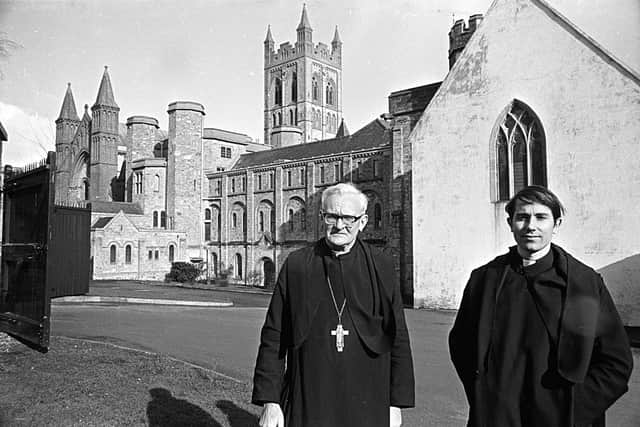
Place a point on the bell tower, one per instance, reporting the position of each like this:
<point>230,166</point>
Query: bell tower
<point>302,88</point>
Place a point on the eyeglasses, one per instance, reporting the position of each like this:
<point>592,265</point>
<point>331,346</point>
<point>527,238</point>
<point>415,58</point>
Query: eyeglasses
<point>347,220</point>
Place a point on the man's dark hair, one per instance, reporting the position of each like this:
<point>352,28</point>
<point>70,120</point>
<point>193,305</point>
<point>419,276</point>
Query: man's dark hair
<point>536,194</point>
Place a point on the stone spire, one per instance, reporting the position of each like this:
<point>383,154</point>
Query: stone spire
<point>304,20</point>
<point>342,130</point>
<point>304,29</point>
<point>269,38</point>
<point>86,117</point>
<point>105,93</point>
<point>68,110</point>
<point>336,37</point>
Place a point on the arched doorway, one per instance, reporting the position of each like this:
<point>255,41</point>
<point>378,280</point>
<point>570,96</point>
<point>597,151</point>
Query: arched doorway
<point>268,273</point>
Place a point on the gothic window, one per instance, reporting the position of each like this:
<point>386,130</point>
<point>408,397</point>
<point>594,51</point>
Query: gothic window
<point>329,93</point>
<point>291,219</point>
<point>294,87</point>
<point>289,178</point>
<point>336,172</point>
<point>127,254</point>
<point>155,219</point>
<point>303,219</point>
<point>112,254</point>
<point>233,185</point>
<point>172,253</point>
<point>261,221</point>
<point>234,220</point>
<point>163,219</point>
<point>291,118</point>
<point>314,88</point>
<point>278,99</point>
<point>275,120</point>
<point>520,151</point>
<point>302,176</point>
<point>85,185</point>
<point>156,183</point>
<point>377,216</point>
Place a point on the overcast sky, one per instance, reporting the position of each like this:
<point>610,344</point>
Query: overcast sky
<point>212,52</point>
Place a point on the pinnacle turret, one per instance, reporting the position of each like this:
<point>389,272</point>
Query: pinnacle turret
<point>105,93</point>
<point>336,37</point>
<point>68,110</point>
<point>269,38</point>
<point>342,130</point>
<point>304,20</point>
<point>86,117</point>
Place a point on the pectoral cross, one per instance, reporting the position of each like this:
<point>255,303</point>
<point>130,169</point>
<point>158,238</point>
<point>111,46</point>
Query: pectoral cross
<point>339,332</point>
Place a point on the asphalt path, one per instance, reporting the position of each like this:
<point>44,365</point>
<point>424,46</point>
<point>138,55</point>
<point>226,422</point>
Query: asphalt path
<point>226,340</point>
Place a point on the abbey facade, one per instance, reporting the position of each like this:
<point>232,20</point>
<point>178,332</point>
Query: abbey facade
<point>216,197</point>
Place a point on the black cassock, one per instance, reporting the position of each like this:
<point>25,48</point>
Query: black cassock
<point>322,386</point>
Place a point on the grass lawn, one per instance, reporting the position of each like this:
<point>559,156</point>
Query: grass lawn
<point>80,383</point>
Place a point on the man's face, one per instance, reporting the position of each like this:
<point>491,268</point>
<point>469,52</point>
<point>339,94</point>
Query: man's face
<point>533,226</point>
<point>341,234</point>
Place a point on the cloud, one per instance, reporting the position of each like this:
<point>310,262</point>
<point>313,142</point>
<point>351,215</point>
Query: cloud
<point>30,135</point>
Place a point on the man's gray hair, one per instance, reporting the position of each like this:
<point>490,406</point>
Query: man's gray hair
<point>344,189</point>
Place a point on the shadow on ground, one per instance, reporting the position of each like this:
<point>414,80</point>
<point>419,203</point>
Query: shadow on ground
<point>164,410</point>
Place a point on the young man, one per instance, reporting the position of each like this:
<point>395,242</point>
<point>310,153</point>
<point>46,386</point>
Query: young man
<point>537,340</point>
<point>334,349</point>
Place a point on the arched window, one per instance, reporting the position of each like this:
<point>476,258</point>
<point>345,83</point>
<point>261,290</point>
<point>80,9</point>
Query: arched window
<point>329,93</point>
<point>278,98</point>
<point>127,254</point>
<point>163,219</point>
<point>244,223</point>
<point>156,183</point>
<point>261,221</point>
<point>279,118</point>
<point>234,220</point>
<point>291,117</point>
<point>314,88</point>
<point>291,219</point>
<point>172,253</point>
<point>207,225</point>
<point>377,216</point>
<point>85,185</point>
<point>520,151</point>
<point>303,219</point>
<point>275,120</point>
<point>294,87</point>
<point>239,266</point>
<point>155,219</point>
<point>112,254</point>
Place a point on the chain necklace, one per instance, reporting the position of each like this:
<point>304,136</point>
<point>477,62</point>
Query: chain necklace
<point>339,332</point>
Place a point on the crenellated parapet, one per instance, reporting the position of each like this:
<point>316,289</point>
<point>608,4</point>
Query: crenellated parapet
<point>460,34</point>
<point>320,52</point>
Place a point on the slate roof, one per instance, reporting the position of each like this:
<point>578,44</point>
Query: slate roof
<point>102,222</point>
<point>376,134</point>
<point>115,207</point>
<point>225,135</point>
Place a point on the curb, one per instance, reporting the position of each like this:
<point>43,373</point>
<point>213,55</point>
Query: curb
<point>121,300</point>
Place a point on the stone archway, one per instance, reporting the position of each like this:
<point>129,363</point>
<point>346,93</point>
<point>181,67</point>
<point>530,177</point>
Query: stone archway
<point>268,273</point>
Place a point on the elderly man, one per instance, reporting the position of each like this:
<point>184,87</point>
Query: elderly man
<point>537,340</point>
<point>334,349</point>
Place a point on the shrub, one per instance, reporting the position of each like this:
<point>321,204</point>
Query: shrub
<point>182,272</point>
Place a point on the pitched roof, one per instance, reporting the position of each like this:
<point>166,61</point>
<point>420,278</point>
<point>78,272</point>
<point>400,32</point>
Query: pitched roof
<point>225,135</point>
<point>376,134</point>
<point>102,222</point>
<point>115,207</point>
<point>68,110</point>
<point>105,92</point>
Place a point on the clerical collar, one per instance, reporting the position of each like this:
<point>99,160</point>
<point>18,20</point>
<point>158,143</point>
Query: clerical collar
<point>533,258</point>
<point>336,253</point>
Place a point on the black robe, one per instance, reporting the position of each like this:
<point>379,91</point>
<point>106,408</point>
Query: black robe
<point>580,342</point>
<point>323,387</point>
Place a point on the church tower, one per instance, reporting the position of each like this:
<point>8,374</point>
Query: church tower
<point>66,127</point>
<point>104,142</point>
<point>302,88</point>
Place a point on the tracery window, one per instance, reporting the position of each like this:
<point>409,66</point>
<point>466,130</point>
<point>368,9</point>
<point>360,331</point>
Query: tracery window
<point>314,88</point>
<point>520,151</point>
<point>278,98</point>
<point>329,93</point>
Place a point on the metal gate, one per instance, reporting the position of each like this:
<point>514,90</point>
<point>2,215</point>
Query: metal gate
<point>45,252</point>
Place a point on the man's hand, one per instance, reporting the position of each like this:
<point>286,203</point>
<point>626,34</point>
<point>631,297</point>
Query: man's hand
<point>395,416</point>
<point>272,416</point>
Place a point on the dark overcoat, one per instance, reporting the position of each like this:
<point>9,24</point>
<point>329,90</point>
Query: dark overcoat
<point>293,306</point>
<point>593,353</point>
